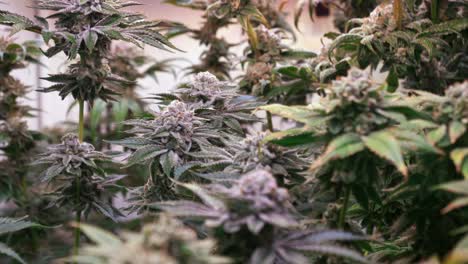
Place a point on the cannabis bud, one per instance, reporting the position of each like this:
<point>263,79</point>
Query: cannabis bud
<point>458,96</point>
<point>253,152</point>
<point>178,118</point>
<point>72,166</point>
<point>205,87</point>
<point>254,201</point>
<point>70,157</point>
<point>269,40</point>
<point>355,87</point>
<point>264,201</point>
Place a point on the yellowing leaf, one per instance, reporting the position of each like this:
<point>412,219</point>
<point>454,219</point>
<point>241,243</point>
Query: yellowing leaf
<point>459,157</point>
<point>458,203</point>
<point>436,135</point>
<point>340,148</point>
<point>297,113</point>
<point>456,130</point>
<point>385,145</point>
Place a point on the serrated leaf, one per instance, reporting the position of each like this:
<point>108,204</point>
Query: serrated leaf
<point>341,147</point>
<point>343,39</point>
<point>98,235</point>
<point>436,135</point>
<point>132,142</point>
<point>294,137</point>
<point>459,187</point>
<point>207,198</point>
<point>5,250</point>
<point>90,39</point>
<point>168,162</point>
<point>459,157</point>
<point>297,113</point>
<point>9,225</point>
<point>457,203</point>
<point>385,145</point>
<point>456,130</point>
<point>144,154</point>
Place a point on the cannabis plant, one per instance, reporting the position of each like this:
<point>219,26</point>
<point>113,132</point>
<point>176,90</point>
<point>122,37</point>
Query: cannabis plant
<point>104,120</point>
<point>251,218</point>
<point>344,10</point>
<point>16,140</point>
<point>167,144</point>
<point>218,14</point>
<point>451,115</point>
<point>446,131</point>
<point>164,241</point>
<point>252,152</point>
<point>86,28</point>
<point>79,183</point>
<point>264,54</point>
<point>360,125</point>
<point>218,102</point>
<point>426,54</point>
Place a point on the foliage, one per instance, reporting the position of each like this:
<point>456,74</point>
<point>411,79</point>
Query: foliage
<point>72,166</point>
<point>345,10</point>
<point>218,102</point>
<point>352,166</point>
<point>16,141</point>
<point>86,28</point>
<point>426,55</point>
<point>257,205</point>
<point>11,225</point>
<point>165,241</point>
<point>105,118</point>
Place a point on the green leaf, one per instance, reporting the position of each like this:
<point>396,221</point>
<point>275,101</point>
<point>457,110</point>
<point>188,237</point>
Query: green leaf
<point>207,199</point>
<point>168,162</point>
<point>459,157</point>
<point>414,142</point>
<point>9,225</point>
<point>90,38</point>
<point>5,250</point>
<point>458,203</point>
<point>341,147</point>
<point>96,114</point>
<point>459,187</point>
<point>293,137</point>
<point>385,145</point>
<point>297,113</point>
<point>290,71</point>
<point>456,130</point>
<point>99,236</point>
<point>144,154</point>
<point>392,80</point>
<point>298,54</point>
<point>454,25</point>
<point>436,135</point>
<point>343,39</point>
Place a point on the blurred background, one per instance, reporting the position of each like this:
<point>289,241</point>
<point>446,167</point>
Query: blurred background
<point>52,110</point>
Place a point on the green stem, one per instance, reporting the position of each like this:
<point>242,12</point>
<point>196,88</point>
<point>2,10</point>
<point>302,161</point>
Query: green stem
<point>81,121</point>
<point>269,121</point>
<point>435,11</point>
<point>76,245</point>
<point>344,208</point>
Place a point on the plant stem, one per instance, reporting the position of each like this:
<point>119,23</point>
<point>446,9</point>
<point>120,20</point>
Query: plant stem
<point>76,245</point>
<point>81,121</point>
<point>435,11</point>
<point>269,121</point>
<point>344,208</point>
